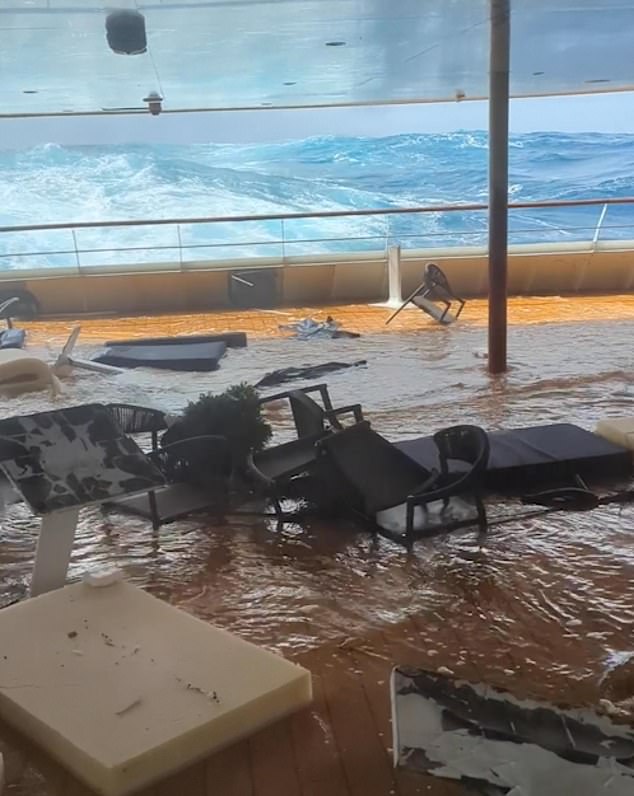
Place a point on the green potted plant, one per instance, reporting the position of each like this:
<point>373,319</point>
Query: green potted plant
<point>234,414</point>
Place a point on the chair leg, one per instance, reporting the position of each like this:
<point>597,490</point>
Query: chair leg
<point>462,303</point>
<point>278,509</point>
<point>446,310</point>
<point>483,524</point>
<point>409,523</point>
<point>54,549</point>
<point>154,514</point>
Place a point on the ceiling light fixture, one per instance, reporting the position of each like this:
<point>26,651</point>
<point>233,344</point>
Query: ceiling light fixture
<point>125,31</point>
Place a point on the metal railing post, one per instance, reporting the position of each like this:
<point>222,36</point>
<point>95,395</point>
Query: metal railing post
<point>180,246</point>
<point>597,230</point>
<point>283,233</point>
<point>394,289</point>
<point>77,260</point>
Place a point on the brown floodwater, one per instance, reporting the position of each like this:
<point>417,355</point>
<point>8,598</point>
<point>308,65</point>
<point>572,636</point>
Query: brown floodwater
<point>293,589</point>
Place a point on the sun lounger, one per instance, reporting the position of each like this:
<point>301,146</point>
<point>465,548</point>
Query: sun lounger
<point>526,458</point>
<point>193,357</point>
<point>230,339</point>
<point>395,495</point>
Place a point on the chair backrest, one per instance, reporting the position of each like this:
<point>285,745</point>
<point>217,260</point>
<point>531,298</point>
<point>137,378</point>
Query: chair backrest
<point>196,459</point>
<point>377,473</point>
<point>137,419</point>
<point>308,415</point>
<point>463,443</point>
<point>436,282</point>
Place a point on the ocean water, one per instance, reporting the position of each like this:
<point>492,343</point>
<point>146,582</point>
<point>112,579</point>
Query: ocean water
<point>52,183</point>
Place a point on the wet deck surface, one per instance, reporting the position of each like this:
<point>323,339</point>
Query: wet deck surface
<point>544,607</point>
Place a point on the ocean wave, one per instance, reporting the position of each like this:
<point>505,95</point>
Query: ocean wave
<point>52,183</point>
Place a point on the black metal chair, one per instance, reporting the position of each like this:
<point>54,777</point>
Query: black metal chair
<point>275,466</point>
<point>435,287</point>
<point>370,475</point>
<point>202,460</point>
<point>196,468</point>
<point>309,416</point>
<point>468,444</point>
<point>139,420</point>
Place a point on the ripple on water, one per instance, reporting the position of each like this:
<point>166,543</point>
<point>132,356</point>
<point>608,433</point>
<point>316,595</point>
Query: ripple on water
<point>564,576</point>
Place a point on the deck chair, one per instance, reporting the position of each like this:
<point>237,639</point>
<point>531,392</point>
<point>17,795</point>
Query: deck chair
<point>435,287</point>
<point>66,361</point>
<point>276,466</point>
<point>381,484</point>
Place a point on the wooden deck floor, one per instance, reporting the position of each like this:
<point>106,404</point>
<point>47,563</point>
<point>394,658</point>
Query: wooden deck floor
<point>361,318</point>
<point>341,746</point>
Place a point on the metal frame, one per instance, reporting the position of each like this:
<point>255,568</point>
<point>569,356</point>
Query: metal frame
<point>499,103</point>
<point>387,211</point>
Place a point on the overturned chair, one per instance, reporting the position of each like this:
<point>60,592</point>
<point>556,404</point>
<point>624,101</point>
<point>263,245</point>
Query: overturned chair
<point>434,288</point>
<point>395,495</point>
<point>274,467</point>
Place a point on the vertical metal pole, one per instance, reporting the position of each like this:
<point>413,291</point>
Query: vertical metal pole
<point>395,294</point>
<point>498,180</point>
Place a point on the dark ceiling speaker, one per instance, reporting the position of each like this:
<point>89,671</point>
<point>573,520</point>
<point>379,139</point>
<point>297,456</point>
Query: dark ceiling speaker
<point>125,31</point>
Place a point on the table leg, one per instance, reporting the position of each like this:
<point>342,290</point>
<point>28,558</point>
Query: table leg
<point>54,547</point>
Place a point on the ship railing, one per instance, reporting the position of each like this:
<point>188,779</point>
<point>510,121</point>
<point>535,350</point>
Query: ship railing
<point>286,238</point>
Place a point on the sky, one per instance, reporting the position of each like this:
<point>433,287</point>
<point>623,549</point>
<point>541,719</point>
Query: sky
<point>603,113</point>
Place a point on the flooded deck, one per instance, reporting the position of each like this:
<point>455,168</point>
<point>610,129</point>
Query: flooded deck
<point>545,606</point>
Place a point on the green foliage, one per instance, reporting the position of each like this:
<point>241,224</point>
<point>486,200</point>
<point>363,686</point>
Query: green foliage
<point>234,414</point>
